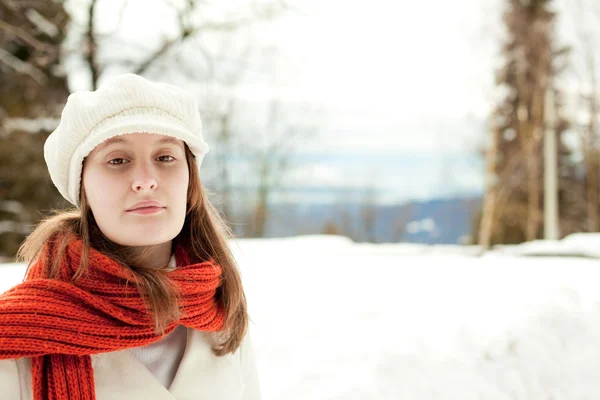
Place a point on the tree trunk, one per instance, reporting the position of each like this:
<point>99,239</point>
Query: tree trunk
<point>489,201</point>
<point>262,198</point>
<point>533,189</point>
<point>224,164</point>
<point>591,155</point>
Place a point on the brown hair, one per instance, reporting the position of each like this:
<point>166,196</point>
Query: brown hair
<point>204,235</point>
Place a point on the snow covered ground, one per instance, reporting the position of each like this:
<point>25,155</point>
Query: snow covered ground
<point>332,319</point>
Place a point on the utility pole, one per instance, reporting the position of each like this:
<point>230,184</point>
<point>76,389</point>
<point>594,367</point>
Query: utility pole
<point>551,231</point>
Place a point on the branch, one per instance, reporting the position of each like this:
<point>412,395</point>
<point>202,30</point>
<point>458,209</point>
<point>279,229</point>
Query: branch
<point>12,206</point>
<point>42,23</point>
<point>185,32</point>
<point>23,67</point>
<point>159,53</point>
<point>15,227</point>
<point>259,14</point>
<point>29,125</point>
<point>26,37</point>
<point>91,50</point>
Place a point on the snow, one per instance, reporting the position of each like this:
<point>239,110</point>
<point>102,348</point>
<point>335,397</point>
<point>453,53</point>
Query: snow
<point>41,23</point>
<point>332,319</point>
<point>575,245</point>
<point>11,206</point>
<point>424,225</point>
<point>31,125</point>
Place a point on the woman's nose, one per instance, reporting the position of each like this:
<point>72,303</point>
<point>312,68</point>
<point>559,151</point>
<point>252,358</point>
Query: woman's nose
<point>144,185</point>
<point>144,181</point>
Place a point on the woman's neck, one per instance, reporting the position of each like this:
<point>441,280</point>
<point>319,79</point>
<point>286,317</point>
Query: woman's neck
<point>158,256</point>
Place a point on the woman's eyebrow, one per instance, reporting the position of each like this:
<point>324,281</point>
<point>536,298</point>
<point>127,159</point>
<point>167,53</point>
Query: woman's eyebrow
<point>169,140</point>
<point>115,140</point>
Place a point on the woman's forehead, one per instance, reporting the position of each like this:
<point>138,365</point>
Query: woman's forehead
<point>140,138</point>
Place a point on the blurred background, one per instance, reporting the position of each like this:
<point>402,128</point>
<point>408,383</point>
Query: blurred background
<point>420,152</point>
<point>381,122</point>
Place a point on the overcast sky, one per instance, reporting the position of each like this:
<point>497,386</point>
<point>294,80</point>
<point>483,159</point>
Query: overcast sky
<point>409,87</point>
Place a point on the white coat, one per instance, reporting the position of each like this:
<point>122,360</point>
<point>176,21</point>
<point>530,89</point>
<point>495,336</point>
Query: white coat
<point>120,375</point>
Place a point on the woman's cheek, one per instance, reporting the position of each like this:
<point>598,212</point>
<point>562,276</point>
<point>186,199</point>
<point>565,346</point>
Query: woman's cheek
<point>101,187</point>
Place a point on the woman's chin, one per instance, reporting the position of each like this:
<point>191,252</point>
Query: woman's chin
<point>139,239</point>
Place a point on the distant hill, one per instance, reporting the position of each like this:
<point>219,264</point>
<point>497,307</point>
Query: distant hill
<point>440,221</point>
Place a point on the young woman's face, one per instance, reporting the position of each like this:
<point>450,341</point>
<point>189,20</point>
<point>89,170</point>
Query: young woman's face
<point>136,186</point>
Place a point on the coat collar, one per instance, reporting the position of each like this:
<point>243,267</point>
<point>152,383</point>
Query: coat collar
<point>201,374</point>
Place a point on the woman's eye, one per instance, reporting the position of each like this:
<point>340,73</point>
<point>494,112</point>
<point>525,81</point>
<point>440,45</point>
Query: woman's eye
<point>165,158</point>
<point>117,161</point>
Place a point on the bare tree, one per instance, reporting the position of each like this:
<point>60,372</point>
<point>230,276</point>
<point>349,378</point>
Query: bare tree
<point>368,213</point>
<point>344,212</point>
<point>220,108</point>
<point>270,153</point>
<point>193,23</point>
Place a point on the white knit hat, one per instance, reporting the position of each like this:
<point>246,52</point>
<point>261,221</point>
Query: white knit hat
<point>125,104</point>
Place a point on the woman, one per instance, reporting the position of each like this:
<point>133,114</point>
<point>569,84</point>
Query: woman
<point>134,294</point>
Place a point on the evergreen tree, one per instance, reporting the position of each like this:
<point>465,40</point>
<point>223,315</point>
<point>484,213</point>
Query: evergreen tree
<point>513,202</point>
<point>33,90</point>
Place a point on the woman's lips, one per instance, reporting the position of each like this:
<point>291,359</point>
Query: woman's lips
<point>146,207</point>
<point>146,210</point>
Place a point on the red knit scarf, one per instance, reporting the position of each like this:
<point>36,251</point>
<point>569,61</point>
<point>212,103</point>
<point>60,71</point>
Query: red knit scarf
<point>60,323</point>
